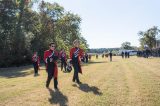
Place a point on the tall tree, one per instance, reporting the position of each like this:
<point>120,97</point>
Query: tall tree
<point>24,30</point>
<point>148,38</point>
<point>126,45</point>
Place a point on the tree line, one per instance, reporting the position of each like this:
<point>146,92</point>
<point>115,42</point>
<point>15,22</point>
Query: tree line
<point>24,30</point>
<point>149,38</point>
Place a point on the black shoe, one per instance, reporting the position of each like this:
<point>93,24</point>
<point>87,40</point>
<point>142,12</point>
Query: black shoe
<point>73,80</point>
<point>47,86</point>
<point>56,88</point>
<point>78,82</point>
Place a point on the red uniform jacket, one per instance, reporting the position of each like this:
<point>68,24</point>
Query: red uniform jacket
<point>37,60</point>
<point>79,53</point>
<point>63,54</point>
<point>48,53</point>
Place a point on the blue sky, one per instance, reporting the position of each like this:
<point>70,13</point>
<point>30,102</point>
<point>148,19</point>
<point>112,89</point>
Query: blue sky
<point>109,23</point>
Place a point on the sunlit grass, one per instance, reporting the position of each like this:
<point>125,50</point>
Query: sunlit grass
<point>123,82</point>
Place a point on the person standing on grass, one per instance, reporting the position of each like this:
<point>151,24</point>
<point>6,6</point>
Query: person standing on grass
<point>102,55</point>
<point>76,54</point>
<point>125,54</point>
<point>122,54</point>
<point>128,54</point>
<point>86,57</point>
<point>110,56</point>
<point>96,56</point>
<point>106,55</point>
<point>50,57</point>
<point>63,60</point>
<point>90,57</point>
<point>35,61</point>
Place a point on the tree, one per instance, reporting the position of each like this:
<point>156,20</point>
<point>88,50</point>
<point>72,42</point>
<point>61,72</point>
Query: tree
<point>148,38</point>
<point>23,30</point>
<point>126,45</point>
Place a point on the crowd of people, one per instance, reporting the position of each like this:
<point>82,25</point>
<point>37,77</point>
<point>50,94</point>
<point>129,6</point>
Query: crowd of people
<point>125,54</point>
<point>76,56</point>
<point>148,53</point>
<point>51,57</point>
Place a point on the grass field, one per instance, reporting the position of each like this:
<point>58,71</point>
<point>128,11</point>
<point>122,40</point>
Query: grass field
<point>128,82</point>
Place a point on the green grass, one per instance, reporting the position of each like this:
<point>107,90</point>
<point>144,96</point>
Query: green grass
<point>123,82</point>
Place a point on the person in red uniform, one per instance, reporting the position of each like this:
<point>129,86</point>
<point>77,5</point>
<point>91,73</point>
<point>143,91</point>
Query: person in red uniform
<point>63,59</point>
<point>50,57</point>
<point>76,54</point>
<point>86,57</point>
<point>35,61</point>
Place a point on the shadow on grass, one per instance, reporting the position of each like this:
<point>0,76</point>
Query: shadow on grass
<point>57,98</point>
<point>86,88</point>
<point>16,71</point>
